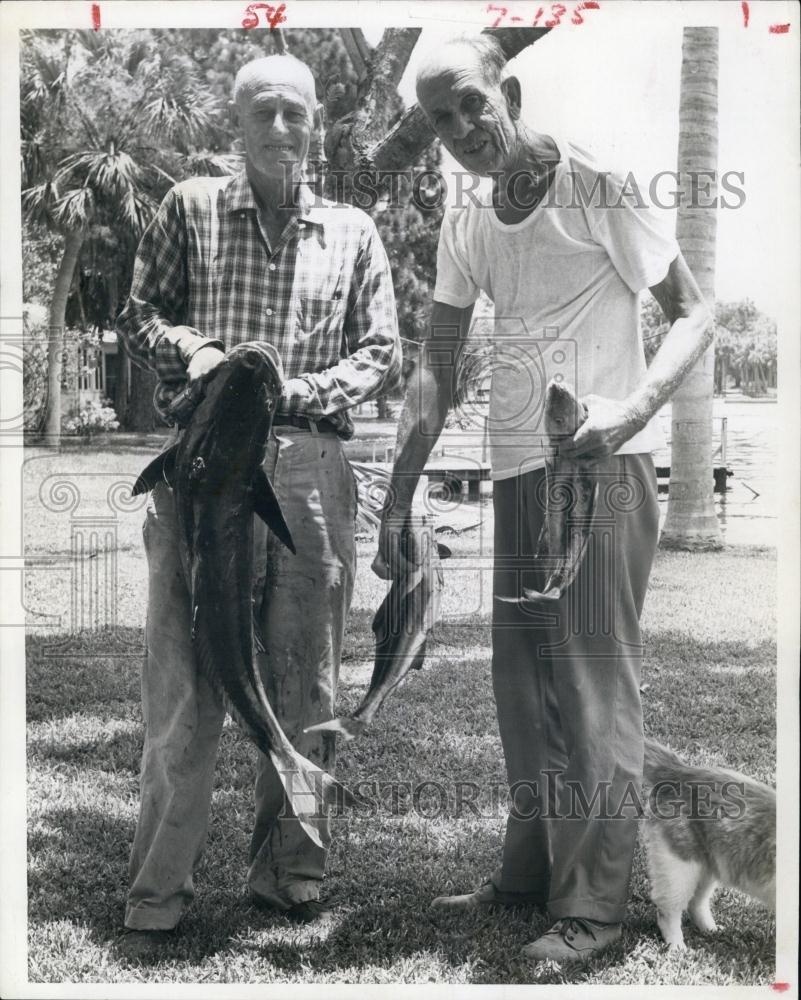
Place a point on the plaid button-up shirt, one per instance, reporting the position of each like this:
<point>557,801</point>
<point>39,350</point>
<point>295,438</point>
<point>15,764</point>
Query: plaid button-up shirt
<point>322,296</point>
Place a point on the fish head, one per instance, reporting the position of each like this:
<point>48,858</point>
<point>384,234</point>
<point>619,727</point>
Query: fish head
<point>246,395</point>
<point>229,428</point>
<point>564,414</point>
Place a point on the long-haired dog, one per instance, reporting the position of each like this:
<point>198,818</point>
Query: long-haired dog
<point>704,827</point>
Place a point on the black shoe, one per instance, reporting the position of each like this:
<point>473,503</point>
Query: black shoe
<point>310,911</point>
<point>146,943</point>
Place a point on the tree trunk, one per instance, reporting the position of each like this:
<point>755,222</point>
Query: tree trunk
<point>691,519</point>
<point>55,340</point>
<point>365,141</point>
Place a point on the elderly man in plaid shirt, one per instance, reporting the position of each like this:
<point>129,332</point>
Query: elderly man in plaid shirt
<point>228,260</point>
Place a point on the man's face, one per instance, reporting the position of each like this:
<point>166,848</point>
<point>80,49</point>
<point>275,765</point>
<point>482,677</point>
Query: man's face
<point>471,116</point>
<point>276,121</point>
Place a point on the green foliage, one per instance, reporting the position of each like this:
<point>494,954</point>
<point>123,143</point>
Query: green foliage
<point>108,125</point>
<point>746,343</point>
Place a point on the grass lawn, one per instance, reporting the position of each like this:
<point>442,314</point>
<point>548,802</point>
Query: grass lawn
<point>710,676</point>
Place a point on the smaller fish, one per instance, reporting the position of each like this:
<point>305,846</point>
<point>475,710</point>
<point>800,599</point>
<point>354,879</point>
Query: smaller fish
<point>572,497</point>
<point>401,626</point>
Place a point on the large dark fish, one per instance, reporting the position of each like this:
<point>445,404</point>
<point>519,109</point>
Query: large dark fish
<point>572,496</point>
<point>401,626</point>
<point>216,472</point>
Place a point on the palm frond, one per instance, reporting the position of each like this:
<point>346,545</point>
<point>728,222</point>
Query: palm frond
<point>207,164</point>
<point>39,203</point>
<point>181,121</point>
<point>44,76</point>
<point>136,210</point>
<point>91,133</point>
<point>75,209</point>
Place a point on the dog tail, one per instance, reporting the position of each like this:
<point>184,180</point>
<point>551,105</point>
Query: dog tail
<point>660,764</point>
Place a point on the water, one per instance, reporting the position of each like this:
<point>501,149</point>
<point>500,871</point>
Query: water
<point>748,511</point>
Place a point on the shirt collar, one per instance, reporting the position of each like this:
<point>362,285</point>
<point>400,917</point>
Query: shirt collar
<point>239,197</point>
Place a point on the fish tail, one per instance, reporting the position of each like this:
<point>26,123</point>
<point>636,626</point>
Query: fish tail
<point>309,791</point>
<point>346,726</point>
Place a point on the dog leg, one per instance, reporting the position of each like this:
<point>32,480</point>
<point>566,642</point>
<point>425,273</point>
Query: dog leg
<point>669,922</point>
<point>673,883</point>
<point>700,909</point>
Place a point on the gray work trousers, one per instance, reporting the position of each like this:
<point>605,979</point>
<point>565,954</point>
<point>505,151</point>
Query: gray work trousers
<point>301,613</point>
<point>567,690</point>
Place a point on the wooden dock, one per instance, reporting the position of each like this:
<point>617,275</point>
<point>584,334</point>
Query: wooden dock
<point>457,474</point>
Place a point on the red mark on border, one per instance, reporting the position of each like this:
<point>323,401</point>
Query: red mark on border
<point>746,13</point>
<point>555,14</point>
<point>780,987</point>
<point>95,16</point>
<point>272,15</point>
<point>779,29</point>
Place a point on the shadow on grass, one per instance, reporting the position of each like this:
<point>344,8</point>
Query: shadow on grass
<point>383,868</point>
<point>121,751</point>
<point>83,880</point>
<point>92,671</point>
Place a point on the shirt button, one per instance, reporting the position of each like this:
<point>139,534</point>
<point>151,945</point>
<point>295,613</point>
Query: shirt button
<point>269,312</point>
<point>272,267</point>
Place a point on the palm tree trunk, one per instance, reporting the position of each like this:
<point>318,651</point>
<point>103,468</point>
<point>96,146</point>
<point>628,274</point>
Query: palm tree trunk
<point>55,341</point>
<point>691,521</point>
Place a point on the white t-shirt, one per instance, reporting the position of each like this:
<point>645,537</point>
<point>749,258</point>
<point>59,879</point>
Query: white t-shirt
<point>565,284</point>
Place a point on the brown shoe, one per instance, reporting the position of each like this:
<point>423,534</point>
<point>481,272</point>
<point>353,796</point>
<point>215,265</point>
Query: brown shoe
<point>572,939</point>
<point>145,943</point>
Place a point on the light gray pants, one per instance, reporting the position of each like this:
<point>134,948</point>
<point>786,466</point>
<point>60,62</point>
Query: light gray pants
<point>302,617</point>
<point>568,696</point>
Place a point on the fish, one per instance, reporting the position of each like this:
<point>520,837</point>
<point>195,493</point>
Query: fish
<point>401,626</point>
<point>571,500</point>
<point>215,470</point>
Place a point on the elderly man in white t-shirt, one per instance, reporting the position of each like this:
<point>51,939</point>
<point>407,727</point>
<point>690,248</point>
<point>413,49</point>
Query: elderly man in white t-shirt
<point>563,250</point>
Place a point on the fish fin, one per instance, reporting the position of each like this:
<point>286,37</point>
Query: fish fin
<point>162,467</point>
<point>347,727</point>
<point>266,505</point>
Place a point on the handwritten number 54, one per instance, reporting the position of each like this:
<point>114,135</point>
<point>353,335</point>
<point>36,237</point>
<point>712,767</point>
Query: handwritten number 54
<point>273,15</point>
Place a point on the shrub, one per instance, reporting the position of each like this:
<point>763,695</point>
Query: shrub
<point>94,417</point>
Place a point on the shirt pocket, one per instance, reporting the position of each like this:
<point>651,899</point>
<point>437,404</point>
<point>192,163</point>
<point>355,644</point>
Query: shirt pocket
<point>319,314</point>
